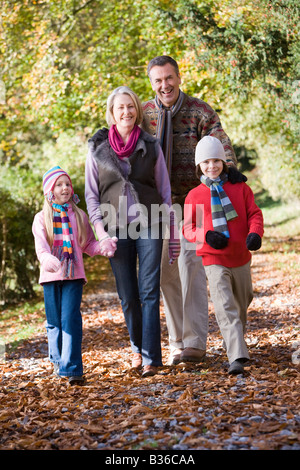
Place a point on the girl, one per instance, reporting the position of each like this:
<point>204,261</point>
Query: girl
<point>232,224</point>
<point>62,233</point>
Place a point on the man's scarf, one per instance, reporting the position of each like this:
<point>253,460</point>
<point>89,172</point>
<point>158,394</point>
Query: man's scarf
<point>116,141</point>
<point>63,239</point>
<point>221,208</point>
<point>164,132</point>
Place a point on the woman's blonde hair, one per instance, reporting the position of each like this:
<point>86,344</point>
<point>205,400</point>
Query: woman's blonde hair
<point>48,218</point>
<point>123,90</point>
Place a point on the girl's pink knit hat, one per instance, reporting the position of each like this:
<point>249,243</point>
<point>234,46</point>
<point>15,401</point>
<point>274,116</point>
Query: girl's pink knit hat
<point>50,178</point>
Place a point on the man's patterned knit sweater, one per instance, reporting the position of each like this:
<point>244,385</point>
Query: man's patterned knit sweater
<point>194,120</point>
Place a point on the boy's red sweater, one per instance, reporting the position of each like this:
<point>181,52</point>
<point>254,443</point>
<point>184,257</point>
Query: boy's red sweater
<point>250,219</point>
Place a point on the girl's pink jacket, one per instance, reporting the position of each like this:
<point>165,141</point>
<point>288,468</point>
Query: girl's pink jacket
<point>43,250</point>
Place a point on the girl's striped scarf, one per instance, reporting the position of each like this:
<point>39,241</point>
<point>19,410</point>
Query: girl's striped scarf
<point>222,209</point>
<point>63,239</point>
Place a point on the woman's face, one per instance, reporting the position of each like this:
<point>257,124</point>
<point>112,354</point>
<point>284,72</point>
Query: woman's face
<point>124,113</point>
<point>212,167</point>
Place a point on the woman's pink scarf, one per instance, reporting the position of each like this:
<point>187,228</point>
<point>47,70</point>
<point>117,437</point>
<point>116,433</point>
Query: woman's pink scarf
<point>117,144</point>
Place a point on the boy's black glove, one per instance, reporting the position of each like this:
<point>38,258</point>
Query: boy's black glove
<point>216,240</point>
<point>253,241</point>
<point>235,176</point>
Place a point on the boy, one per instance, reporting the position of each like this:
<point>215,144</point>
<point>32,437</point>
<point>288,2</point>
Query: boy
<point>232,224</point>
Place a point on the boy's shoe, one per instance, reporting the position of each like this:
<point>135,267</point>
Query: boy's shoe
<point>236,367</point>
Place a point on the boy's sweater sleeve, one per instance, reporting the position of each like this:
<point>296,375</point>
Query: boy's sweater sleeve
<point>254,213</point>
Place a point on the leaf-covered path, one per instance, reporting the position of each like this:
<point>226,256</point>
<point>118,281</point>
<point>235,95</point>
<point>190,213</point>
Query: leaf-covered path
<point>184,407</point>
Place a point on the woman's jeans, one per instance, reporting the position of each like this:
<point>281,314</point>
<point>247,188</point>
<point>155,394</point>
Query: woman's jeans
<point>139,291</point>
<point>64,325</point>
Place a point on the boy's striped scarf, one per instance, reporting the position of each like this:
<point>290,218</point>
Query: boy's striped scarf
<point>222,209</point>
<point>63,239</point>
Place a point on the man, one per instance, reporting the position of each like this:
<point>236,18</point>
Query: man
<point>179,121</point>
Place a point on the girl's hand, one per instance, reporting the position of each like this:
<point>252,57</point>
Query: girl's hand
<point>51,264</point>
<point>108,246</point>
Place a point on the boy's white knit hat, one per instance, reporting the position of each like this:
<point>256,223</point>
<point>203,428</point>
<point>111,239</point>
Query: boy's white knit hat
<point>209,147</point>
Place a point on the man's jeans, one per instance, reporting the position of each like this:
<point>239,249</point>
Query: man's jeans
<point>64,325</point>
<point>139,291</point>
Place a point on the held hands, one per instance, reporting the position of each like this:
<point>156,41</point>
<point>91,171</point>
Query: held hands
<point>108,246</point>
<point>51,264</point>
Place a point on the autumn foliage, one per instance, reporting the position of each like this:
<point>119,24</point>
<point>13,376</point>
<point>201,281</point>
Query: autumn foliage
<point>184,407</point>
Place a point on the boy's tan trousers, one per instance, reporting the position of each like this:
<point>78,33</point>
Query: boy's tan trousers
<point>231,293</point>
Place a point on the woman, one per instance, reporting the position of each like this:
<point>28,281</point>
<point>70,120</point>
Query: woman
<point>125,167</point>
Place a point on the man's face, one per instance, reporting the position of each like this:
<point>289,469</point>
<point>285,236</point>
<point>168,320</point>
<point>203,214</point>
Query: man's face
<point>165,82</point>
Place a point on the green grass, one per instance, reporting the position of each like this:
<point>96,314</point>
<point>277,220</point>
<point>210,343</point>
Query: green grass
<point>21,322</point>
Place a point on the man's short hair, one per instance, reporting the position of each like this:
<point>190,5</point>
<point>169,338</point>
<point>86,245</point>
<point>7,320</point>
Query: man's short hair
<point>161,61</point>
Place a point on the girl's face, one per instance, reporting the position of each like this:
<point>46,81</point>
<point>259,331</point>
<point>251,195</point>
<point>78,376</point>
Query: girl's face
<point>124,113</point>
<point>62,190</point>
<point>212,168</point>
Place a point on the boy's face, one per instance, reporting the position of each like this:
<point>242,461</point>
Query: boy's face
<point>212,168</point>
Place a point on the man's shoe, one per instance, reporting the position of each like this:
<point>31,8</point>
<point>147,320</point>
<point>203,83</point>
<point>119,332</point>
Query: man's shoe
<point>236,367</point>
<point>148,371</point>
<point>192,355</point>
<point>136,361</point>
<point>174,357</point>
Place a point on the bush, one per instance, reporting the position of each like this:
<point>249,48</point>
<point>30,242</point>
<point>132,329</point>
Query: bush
<point>17,254</point>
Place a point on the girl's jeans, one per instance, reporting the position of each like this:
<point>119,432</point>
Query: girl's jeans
<point>64,325</point>
<point>139,291</point>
